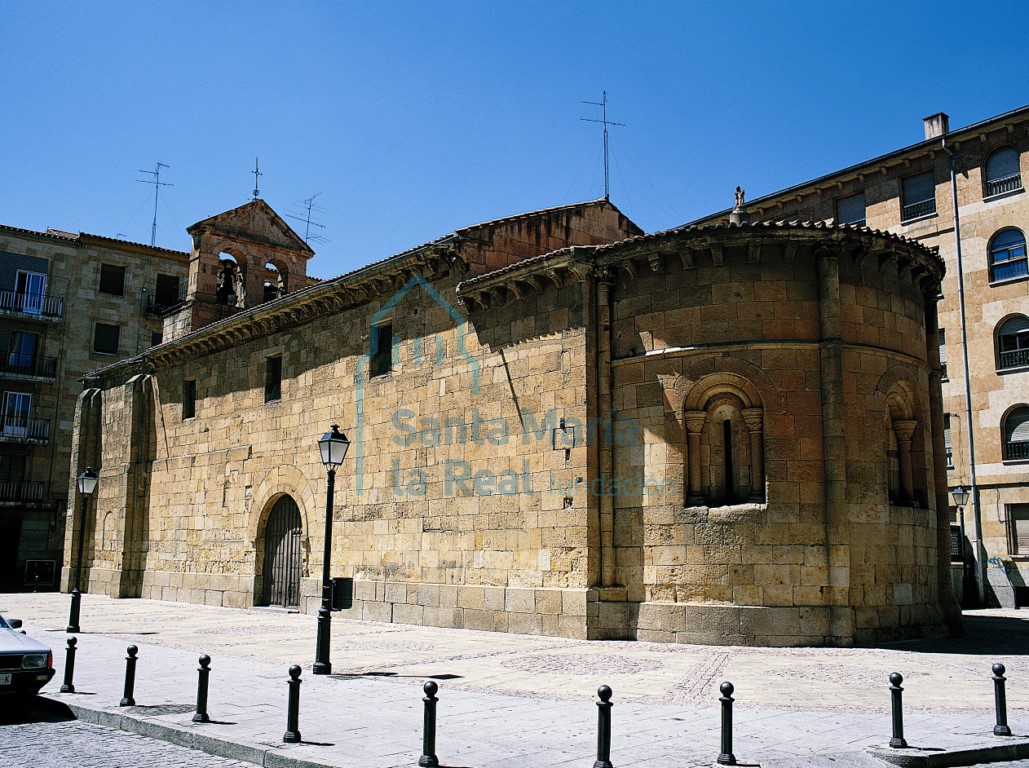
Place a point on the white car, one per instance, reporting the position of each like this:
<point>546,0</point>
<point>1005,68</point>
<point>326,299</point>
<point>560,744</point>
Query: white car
<point>26,665</point>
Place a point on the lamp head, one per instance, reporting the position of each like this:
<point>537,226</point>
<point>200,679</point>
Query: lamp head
<point>87,482</point>
<point>333,446</point>
<point>959,495</point>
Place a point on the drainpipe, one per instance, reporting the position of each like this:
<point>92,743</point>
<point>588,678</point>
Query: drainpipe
<point>977,523</point>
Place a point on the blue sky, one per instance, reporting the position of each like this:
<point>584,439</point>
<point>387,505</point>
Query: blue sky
<point>412,119</point>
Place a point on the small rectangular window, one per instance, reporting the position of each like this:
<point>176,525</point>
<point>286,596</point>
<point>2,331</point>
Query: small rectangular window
<point>112,279</point>
<point>105,339</point>
<point>189,398</point>
<point>918,196</point>
<point>948,446</point>
<point>381,351</point>
<point>943,354</point>
<point>156,337</point>
<point>851,210</point>
<point>167,290</point>
<point>1018,515</point>
<point>272,378</point>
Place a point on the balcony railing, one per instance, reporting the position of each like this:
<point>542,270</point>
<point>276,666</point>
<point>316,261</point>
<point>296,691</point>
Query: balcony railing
<point>1015,358</point>
<point>31,305</point>
<point>21,491</point>
<point>16,428</point>
<point>14,364</point>
<point>1003,184</point>
<point>1018,451</point>
<point>917,210</point>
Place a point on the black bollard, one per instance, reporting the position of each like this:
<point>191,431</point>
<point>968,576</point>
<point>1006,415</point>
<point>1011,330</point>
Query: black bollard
<point>292,734</point>
<point>428,758</point>
<point>1001,701</point>
<point>726,757</point>
<point>204,673</point>
<point>69,667</point>
<point>898,714</point>
<point>130,677</point>
<point>603,728</point>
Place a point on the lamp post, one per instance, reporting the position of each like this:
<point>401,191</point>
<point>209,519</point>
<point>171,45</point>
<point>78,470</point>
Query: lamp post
<point>960,498</point>
<point>87,484</point>
<point>333,447</point>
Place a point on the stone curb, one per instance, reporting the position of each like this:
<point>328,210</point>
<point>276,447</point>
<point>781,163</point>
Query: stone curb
<point>953,758</point>
<point>271,758</point>
<point>180,736</point>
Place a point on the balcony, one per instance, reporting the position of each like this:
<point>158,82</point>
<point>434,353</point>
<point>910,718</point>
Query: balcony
<point>16,493</point>
<point>31,305</point>
<point>155,307</point>
<point>15,428</point>
<point>918,210</point>
<point>1016,358</point>
<point>1004,185</point>
<point>1018,451</point>
<point>28,367</point>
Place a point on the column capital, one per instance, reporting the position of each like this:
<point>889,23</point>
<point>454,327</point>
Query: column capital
<point>904,429</point>
<point>754,418</point>
<point>695,420</point>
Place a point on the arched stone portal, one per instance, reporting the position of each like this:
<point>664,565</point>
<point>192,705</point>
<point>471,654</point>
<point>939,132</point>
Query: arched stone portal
<point>283,565</point>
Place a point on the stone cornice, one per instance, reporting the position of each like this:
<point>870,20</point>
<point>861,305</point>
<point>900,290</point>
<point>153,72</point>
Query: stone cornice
<point>659,252</point>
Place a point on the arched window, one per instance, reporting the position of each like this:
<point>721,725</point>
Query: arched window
<point>1013,343</point>
<point>1016,434</point>
<point>1007,255</point>
<point>1002,172</point>
<point>725,444</point>
<point>230,281</point>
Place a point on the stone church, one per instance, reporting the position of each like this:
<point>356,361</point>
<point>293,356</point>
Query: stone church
<point>560,425</point>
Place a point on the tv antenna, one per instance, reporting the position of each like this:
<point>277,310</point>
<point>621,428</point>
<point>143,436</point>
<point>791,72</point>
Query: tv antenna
<point>606,122</point>
<point>156,173</point>
<point>257,177</point>
<point>309,205</point>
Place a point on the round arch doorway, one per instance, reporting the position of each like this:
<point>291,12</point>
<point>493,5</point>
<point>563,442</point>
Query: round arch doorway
<point>282,554</point>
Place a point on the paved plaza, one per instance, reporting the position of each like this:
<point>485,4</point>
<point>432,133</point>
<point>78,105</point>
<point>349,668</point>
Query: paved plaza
<point>507,700</point>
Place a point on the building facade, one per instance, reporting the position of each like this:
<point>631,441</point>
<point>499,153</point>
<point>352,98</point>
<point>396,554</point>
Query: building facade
<point>69,303</point>
<point>960,192</point>
<point>560,425</point>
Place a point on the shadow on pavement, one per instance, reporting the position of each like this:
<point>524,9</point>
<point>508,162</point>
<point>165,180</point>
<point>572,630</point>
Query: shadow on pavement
<point>984,636</point>
<point>34,709</point>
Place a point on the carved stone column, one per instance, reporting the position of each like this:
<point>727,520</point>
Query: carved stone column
<point>694,423</point>
<point>903,429</point>
<point>753,417</point>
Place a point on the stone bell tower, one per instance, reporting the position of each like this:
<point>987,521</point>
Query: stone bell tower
<point>239,259</point>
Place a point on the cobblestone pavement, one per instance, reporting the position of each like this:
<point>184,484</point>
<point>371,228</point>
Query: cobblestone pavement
<point>508,699</point>
<point>42,740</point>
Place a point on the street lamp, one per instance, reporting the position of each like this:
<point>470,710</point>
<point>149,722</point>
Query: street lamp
<point>333,447</point>
<point>960,498</point>
<point>87,484</point>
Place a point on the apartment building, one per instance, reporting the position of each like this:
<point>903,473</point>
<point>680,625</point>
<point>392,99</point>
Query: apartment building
<point>69,303</point>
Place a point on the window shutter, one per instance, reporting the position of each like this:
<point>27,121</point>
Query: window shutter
<point>851,210</point>
<point>1002,163</point>
<point>946,432</point>
<point>1018,426</point>
<point>1020,523</point>
<point>943,347</point>
<point>918,189</point>
<point>1015,325</point>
